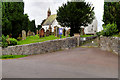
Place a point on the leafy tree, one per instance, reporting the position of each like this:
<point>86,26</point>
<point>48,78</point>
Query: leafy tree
<point>14,20</point>
<point>0,20</point>
<point>75,15</point>
<point>32,26</point>
<point>25,24</point>
<point>112,13</point>
<point>109,30</point>
<point>39,27</point>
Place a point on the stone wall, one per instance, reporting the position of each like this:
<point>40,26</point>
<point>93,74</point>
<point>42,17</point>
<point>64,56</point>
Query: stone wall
<point>44,47</point>
<point>110,44</point>
<point>41,47</point>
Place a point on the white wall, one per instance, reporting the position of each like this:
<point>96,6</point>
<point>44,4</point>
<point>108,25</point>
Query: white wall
<point>55,23</point>
<point>91,28</point>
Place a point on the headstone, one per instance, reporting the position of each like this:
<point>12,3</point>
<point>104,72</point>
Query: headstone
<point>37,32</point>
<point>64,32</point>
<point>50,29</point>
<point>10,35</point>
<point>67,33</point>
<point>23,34</point>
<point>29,33</point>
<point>41,32</point>
<point>82,31</point>
<point>47,33</point>
<point>33,34</point>
<point>19,35</point>
<point>57,31</point>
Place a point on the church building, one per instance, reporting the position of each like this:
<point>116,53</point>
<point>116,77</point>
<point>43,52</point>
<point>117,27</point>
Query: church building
<point>51,22</point>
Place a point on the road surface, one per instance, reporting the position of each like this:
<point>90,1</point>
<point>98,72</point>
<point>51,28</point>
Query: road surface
<point>74,63</point>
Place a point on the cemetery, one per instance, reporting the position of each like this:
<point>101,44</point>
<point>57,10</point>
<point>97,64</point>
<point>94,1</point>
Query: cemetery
<point>71,43</point>
<point>51,31</point>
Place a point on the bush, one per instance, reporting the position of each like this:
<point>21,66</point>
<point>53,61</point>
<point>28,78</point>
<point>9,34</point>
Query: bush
<point>109,30</point>
<point>12,41</point>
<point>4,41</point>
<point>98,33</point>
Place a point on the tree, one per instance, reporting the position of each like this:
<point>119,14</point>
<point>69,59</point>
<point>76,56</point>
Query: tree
<point>39,27</point>
<point>112,13</point>
<point>75,15</point>
<point>14,20</point>
<point>33,27</point>
<point>43,21</point>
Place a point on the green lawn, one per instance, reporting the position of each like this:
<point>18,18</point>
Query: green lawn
<point>86,35</point>
<point>35,39</point>
<point>11,56</point>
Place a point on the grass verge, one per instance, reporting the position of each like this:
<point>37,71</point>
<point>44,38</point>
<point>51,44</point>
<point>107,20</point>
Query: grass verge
<point>11,56</point>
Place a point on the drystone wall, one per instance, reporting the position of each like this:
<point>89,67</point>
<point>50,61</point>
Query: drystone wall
<point>110,44</point>
<point>44,47</point>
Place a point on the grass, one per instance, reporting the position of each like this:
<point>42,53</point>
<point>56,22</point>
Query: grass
<point>11,56</point>
<point>35,39</point>
<point>86,35</point>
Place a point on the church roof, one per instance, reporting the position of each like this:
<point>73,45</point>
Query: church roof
<point>50,20</point>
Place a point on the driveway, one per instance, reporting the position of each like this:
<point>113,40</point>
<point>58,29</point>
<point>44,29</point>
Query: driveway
<point>74,63</point>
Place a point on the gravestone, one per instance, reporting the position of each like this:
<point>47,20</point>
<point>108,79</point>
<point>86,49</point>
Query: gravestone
<point>47,33</point>
<point>41,32</point>
<point>33,34</point>
<point>64,32</point>
<point>67,33</point>
<point>29,33</point>
<point>57,31</point>
<point>37,32</point>
<point>23,34</point>
<point>19,35</point>
<point>50,29</point>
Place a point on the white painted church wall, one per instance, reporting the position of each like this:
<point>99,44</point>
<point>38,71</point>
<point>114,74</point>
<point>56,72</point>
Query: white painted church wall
<point>91,28</point>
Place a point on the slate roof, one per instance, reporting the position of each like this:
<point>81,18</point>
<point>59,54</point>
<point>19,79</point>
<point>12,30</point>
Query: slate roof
<point>50,19</point>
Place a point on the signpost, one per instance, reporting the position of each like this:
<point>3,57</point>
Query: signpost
<point>60,32</point>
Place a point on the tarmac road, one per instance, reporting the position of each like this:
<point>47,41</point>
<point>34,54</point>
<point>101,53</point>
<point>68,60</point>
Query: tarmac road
<point>74,63</point>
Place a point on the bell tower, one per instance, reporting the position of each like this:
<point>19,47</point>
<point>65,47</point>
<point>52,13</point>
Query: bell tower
<point>49,12</point>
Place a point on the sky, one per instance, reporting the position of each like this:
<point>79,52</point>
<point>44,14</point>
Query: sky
<point>37,9</point>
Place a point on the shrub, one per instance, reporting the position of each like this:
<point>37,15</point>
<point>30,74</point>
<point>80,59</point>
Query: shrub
<point>4,41</point>
<point>12,41</point>
<point>109,30</point>
<point>98,33</point>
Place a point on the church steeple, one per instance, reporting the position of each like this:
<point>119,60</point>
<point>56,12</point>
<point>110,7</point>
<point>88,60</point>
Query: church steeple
<point>49,12</point>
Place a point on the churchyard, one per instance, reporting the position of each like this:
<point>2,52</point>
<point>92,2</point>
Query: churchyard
<point>66,49</point>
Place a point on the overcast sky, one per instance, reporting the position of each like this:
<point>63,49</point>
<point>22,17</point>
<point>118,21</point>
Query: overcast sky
<point>37,9</point>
